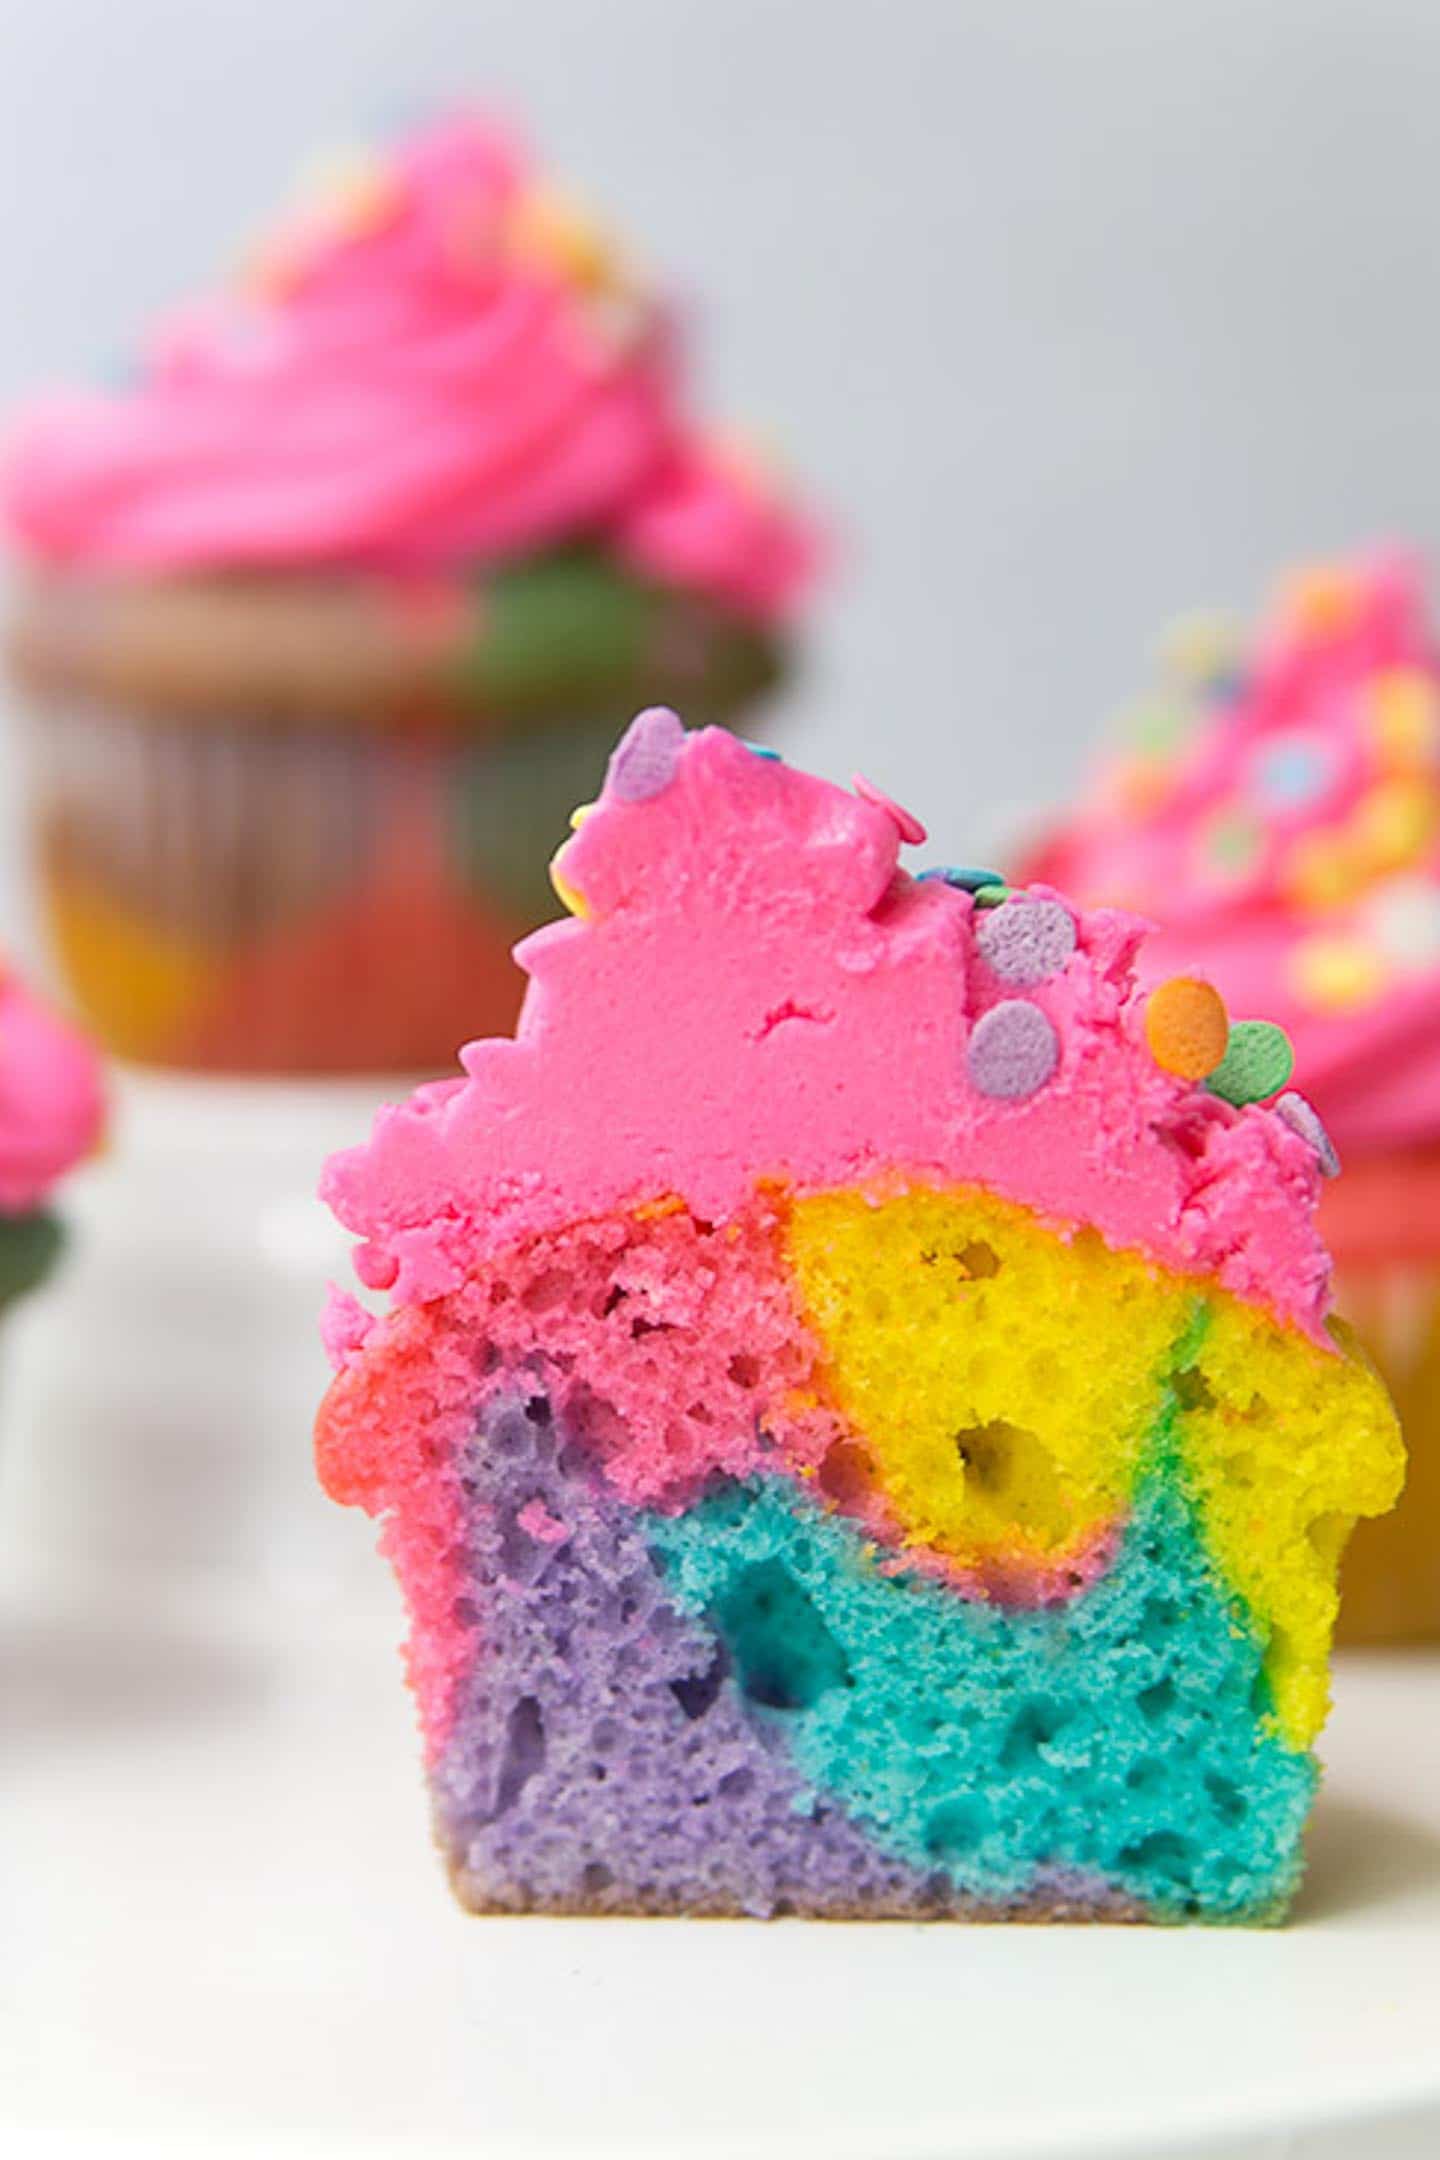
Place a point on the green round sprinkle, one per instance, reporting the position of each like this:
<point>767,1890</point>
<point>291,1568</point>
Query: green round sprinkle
<point>1233,844</point>
<point>991,895</point>
<point>1258,1062</point>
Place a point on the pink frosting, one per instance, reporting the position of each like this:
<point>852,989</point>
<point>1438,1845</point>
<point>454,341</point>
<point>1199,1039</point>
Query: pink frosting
<point>1289,846</point>
<point>52,1105</point>
<point>420,379</point>
<point>755,991</point>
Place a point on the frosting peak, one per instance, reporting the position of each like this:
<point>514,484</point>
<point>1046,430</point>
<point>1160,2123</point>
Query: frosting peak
<point>1280,819</point>
<point>753,990</point>
<point>437,362</point>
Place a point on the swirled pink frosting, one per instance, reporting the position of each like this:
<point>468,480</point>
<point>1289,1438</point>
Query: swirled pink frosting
<point>435,368</point>
<point>52,1105</point>
<point>1286,840</point>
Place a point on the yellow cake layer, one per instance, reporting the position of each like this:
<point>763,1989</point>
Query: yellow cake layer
<point>1005,1382</point>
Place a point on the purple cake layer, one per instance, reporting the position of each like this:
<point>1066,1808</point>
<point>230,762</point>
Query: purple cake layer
<point>603,1758</point>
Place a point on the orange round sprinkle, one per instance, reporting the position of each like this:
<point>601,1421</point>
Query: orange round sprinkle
<point>1187,1027</point>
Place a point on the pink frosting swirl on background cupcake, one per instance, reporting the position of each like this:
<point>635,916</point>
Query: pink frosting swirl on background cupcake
<point>52,1104</point>
<point>1280,820</point>
<point>440,363</point>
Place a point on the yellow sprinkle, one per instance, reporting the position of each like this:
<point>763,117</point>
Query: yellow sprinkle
<point>567,894</point>
<point>1320,601</point>
<point>552,228</point>
<point>1404,723</point>
<point>1394,824</point>
<point>355,191</point>
<point>579,814</point>
<point>1337,974</point>
<point>1138,785</point>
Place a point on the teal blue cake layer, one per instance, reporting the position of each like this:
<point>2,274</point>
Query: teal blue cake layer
<point>1123,1735</point>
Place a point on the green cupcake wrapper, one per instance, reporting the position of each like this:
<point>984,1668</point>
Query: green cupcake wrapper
<point>30,1245</point>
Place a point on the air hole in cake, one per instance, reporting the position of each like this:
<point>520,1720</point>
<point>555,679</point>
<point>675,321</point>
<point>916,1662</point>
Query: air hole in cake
<point>1159,1617</point>
<point>1162,1852</point>
<point>522,1558</point>
<point>1156,1702</point>
<point>1035,1726</point>
<point>736,1783</point>
<point>1226,1798</point>
<point>979,1259</point>
<point>1146,1776</point>
<point>537,1409</point>
<point>697,1692</point>
<point>464,1612</point>
<point>954,1829</point>
<point>744,1370</point>
<point>1014,1470</point>
<point>1192,1389</point>
<point>547,1291</point>
<point>596,1876</point>
<point>846,1474</point>
<point>524,1755</point>
<point>613,1297</point>
<point>785,1656</point>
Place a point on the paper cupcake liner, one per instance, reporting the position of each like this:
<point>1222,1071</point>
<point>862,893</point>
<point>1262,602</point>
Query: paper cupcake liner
<point>246,895</point>
<point>1390,1579</point>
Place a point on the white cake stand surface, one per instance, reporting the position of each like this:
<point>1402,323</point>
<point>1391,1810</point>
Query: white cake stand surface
<point>225,1931</point>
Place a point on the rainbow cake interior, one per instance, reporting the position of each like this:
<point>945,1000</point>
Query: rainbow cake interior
<point>856,1425</point>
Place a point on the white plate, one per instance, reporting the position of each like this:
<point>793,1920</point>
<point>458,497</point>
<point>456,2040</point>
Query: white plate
<point>223,1928</point>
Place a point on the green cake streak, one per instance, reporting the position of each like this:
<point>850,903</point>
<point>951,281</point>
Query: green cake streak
<point>1125,1734</point>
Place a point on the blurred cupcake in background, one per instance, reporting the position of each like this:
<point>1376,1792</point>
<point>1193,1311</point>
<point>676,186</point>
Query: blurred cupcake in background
<point>326,622</point>
<point>52,1111</point>
<point>1278,814</point>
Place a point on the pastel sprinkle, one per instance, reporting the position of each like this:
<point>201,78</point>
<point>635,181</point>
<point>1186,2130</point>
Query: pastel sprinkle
<point>1302,1117</point>
<point>991,895</point>
<point>761,749</point>
<point>642,764</point>
<point>1337,974</point>
<point>1187,1027</point>
<point>1013,1050</point>
<point>1322,871</point>
<point>1404,917</point>
<point>1293,771</point>
<point>1232,844</point>
<point>1199,647</point>
<point>1158,726</point>
<point>1023,940</point>
<point>1404,723</point>
<point>909,827</point>
<point>1395,823</point>
<point>1257,1063</point>
<point>1322,601</point>
<point>964,878</point>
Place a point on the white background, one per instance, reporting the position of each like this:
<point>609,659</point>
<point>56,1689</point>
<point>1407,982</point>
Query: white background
<point>1074,312</point>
